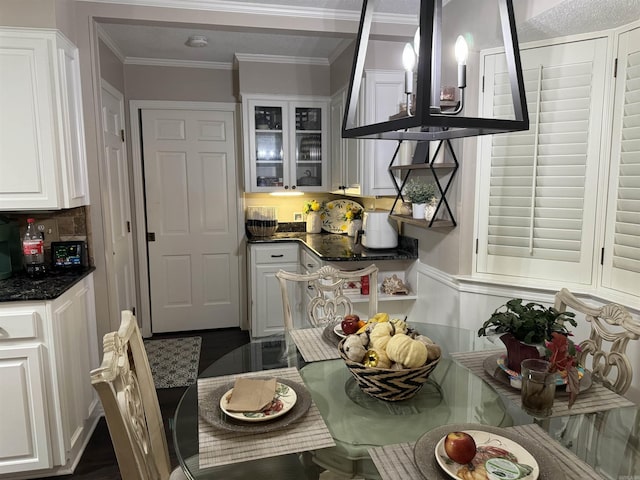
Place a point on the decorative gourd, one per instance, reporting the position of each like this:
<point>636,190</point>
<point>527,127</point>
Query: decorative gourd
<point>381,334</point>
<point>400,325</point>
<point>433,350</point>
<point>354,349</point>
<point>407,351</point>
<point>376,358</point>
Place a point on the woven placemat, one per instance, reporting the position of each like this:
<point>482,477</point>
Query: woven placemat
<point>313,346</point>
<point>396,462</point>
<point>598,398</point>
<point>222,447</point>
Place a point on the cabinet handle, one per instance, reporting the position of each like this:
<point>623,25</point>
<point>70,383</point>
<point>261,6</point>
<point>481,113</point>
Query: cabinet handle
<point>286,187</point>
<point>293,187</point>
<point>310,265</point>
<point>277,256</point>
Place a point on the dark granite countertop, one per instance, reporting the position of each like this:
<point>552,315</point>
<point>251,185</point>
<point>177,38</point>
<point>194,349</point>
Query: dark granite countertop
<point>335,247</point>
<point>21,287</point>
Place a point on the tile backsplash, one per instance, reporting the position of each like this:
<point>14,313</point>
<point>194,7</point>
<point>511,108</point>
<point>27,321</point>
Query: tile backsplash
<point>59,225</point>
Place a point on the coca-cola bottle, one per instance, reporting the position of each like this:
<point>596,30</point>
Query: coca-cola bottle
<point>33,250</point>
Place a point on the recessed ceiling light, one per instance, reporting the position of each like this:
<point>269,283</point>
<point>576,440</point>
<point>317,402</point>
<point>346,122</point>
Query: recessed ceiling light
<point>197,41</point>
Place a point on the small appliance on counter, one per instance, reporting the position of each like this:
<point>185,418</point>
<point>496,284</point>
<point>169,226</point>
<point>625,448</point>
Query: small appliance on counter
<point>379,231</point>
<point>262,221</point>
<point>70,255</point>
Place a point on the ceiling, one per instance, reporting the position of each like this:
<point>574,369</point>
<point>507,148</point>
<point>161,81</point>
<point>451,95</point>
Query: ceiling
<point>537,19</point>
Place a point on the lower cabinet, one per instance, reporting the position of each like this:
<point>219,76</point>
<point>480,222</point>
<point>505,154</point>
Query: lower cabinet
<point>266,313</point>
<point>48,409</point>
<point>265,309</point>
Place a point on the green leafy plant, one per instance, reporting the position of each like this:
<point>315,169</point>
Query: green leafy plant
<point>529,323</point>
<point>418,191</point>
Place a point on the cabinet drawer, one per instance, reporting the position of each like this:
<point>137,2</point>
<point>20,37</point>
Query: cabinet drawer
<point>284,254</point>
<point>17,325</point>
<point>310,263</point>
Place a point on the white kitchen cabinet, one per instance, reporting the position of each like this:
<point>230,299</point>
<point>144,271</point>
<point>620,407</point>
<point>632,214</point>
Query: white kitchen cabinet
<point>46,352</point>
<point>24,443</point>
<point>42,150</point>
<point>285,144</point>
<point>361,166</point>
<point>266,313</point>
<point>345,162</point>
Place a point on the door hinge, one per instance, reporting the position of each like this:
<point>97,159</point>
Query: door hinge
<point>483,84</point>
<point>128,226</point>
<point>477,246</point>
<point>122,134</point>
<point>602,256</point>
<point>615,68</point>
<point>151,237</point>
<point>133,310</point>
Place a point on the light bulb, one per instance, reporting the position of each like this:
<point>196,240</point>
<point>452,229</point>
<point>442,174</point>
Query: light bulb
<point>462,51</point>
<point>408,58</point>
<point>416,42</point>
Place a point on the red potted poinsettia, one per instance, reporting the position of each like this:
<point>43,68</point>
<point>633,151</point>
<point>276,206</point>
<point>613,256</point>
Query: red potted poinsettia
<point>561,354</point>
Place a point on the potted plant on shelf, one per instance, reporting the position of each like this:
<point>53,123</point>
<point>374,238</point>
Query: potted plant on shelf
<point>420,194</point>
<point>524,329</point>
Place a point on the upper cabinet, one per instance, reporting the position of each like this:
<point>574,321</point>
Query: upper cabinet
<point>361,166</point>
<point>286,144</point>
<point>42,150</point>
<point>345,164</point>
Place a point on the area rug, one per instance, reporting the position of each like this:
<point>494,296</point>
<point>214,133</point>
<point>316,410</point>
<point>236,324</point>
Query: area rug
<point>174,361</point>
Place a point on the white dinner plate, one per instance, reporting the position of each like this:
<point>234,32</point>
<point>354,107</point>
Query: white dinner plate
<point>488,440</point>
<point>283,401</point>
<point>333,220</point>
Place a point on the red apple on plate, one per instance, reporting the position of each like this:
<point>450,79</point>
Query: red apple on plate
<point>460,447</point>
<point>349,324</point>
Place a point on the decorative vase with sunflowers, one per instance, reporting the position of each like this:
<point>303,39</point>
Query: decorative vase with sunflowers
<point>312,210</point>
<point>353,215</point>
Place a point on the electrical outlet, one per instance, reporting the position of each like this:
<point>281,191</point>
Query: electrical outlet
<point>50,229</point>
<point>297,216</point>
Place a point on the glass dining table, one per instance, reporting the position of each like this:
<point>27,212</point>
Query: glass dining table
<point>357,422</point>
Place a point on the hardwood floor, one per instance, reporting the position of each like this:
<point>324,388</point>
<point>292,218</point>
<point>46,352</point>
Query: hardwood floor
<point>99,461</point>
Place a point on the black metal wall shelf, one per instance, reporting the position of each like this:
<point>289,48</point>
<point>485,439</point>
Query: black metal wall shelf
<point>425,161</point>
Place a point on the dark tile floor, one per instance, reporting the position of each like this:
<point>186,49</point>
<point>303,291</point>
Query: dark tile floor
<point>99,461</point>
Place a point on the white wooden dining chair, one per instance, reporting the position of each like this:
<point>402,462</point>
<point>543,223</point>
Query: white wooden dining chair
<point>604,354</point>
<point>611,329</point>
<point>326,302</point>
<point>125,387</point>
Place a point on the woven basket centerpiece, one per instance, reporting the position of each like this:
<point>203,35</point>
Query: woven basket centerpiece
<point>390,384</point>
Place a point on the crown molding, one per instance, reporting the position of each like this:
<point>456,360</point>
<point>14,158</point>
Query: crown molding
<point>244,7</point>
<point>250,57</point>
<point>342,46</point>
<point>110,43</point>
<point>168,62</point>
<point>266,9</point>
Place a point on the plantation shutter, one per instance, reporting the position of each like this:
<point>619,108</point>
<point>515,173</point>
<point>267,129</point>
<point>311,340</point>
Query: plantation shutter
<point>622,241</point>
<point>538,188</point>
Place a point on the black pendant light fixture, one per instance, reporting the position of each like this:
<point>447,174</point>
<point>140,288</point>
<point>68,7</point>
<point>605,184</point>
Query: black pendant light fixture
<point>429,113</point>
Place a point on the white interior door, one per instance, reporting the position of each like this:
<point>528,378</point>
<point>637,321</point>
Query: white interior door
<point>119,254</point>
<point>191,193</point>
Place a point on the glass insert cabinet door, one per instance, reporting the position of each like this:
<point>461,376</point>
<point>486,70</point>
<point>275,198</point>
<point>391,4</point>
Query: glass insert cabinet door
<point>309,156</point>
<point>286,145</point>
<point>269,145</point>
